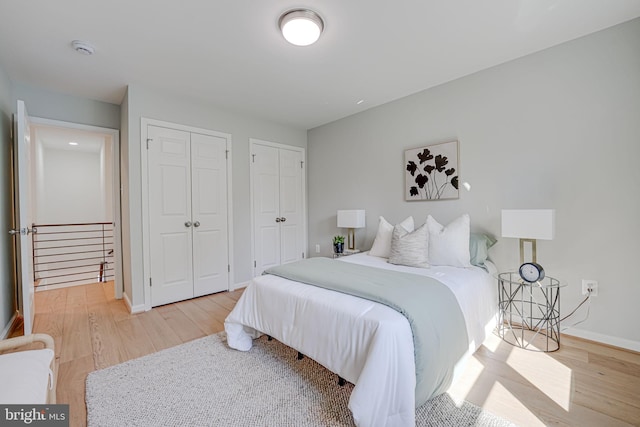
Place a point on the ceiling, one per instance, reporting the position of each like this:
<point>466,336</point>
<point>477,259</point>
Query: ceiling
<point>57,138</point>
<point>231,54</point>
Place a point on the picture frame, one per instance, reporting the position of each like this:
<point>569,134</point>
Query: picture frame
<point>431,172</point>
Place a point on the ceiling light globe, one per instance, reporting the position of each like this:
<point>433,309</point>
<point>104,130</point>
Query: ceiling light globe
<point>301,27</point>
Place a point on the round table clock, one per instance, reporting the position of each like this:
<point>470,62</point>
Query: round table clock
<point>531,272</point>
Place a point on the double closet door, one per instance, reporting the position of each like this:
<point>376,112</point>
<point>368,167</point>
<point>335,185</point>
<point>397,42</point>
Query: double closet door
<point>188,234</point>
<point>278,204</point>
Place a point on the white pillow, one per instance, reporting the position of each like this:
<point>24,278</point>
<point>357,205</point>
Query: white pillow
<point>449,245</point>
<point>382,243</point>
<point>410,249</point>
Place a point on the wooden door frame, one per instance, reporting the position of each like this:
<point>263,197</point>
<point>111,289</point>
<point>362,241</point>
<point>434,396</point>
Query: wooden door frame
<point>146,232</point>
<point>255,141</point>
<point>117,188</point>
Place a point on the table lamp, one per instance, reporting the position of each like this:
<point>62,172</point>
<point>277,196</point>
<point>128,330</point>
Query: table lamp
<point>351,219</point>
<point>528,225</point>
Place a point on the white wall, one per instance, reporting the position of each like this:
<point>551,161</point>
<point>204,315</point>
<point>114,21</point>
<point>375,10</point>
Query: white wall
<point>106,179</point>
<point>146,102</point>
<point>71,188</point>
<point>7,280</point>
<point>56,106</point>
<point>556,129</point>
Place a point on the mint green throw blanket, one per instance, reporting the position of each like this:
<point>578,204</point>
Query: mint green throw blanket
<point>438,326</point>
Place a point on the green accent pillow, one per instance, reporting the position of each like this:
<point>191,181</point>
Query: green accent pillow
<point>479,245</point>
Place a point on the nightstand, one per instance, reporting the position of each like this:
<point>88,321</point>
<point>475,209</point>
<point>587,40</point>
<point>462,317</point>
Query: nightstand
<point>529,313</point>
<point>347,252</point>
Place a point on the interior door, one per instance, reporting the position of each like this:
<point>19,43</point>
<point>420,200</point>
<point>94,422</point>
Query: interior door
<point>24,245</point>
<point>170,240</point>
<point>278,206</point>
<point>209,214</point>
<point>291,229</point>
<point>266,207</point>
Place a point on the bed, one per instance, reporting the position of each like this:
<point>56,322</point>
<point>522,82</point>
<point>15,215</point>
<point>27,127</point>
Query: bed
<point>367,343</point>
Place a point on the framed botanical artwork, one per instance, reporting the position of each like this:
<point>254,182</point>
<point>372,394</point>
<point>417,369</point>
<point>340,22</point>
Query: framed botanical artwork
<point>431,172</point>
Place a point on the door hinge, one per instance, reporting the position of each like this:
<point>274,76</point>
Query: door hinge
<point>255,264</point>
<point>226,154</point>
<point>228,268</point>
<point>150,282</point>
<point>253,158</point>
<point>148,141</point>
<point>302,255</point>
<point>301,163</point>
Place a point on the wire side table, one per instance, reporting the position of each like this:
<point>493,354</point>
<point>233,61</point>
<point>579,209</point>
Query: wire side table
<point>529,313</point>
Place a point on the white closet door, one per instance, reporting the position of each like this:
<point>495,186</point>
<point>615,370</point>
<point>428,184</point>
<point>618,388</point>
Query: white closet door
<point>169,159</point>
<point>291,229</point>
<point>266,207</point>
<point>209,204</point>
<point>278,205</point>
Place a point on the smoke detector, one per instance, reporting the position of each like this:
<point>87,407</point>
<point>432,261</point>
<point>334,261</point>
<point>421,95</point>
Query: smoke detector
<point>83,47</point>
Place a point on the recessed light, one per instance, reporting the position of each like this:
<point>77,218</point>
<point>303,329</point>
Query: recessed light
<point>73,143</point>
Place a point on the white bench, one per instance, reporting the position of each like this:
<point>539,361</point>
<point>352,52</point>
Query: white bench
<point>28,376</point>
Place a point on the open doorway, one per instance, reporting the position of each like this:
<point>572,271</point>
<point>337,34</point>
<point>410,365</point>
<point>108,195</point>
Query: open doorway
<point>75,202</point>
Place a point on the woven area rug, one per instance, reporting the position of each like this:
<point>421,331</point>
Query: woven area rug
<point>205,383</point>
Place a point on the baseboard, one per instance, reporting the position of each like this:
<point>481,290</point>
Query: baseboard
<point>133,309</point>
<point>239,285</point>
<point>604,339</point>
<point>9,327</point>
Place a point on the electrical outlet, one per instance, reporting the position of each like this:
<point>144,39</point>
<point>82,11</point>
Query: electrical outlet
<point>590,286</point>
<point>317,249</point>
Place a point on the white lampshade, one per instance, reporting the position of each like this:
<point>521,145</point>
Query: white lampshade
<point>301,27</point>
<point>351,219</point>
<point>529,223</point>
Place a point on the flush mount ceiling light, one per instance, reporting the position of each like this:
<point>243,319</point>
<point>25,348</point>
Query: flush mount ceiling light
<point>301,27</point>
<point>83,47</point>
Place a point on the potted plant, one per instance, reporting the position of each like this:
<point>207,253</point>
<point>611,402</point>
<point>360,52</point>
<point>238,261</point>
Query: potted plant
<point>338,244</point>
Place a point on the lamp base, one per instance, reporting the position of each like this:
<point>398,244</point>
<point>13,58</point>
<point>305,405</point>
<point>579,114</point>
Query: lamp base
<point>533,249</point>
<point>351,239</point>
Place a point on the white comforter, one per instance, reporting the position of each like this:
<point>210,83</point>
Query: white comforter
<point>367,343</point>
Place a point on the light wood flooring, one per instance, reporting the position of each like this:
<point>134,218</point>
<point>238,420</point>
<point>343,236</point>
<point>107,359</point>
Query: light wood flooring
<point>582,384</point>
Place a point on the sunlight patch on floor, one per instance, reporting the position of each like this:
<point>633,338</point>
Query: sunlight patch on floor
<point>466,381</point>
<point>492,342</point>
<point>548,375</point>
<point>500,401</point>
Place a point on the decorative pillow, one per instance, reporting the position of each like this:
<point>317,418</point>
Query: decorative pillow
<point>479,245</point>
<point>449,245</point>
<point>382,243</point>
<point>410,248</point>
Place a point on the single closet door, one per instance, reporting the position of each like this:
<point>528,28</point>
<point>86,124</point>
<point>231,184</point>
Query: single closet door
<point>209,206</point>
<point>278,205</point>
<point>187,214</point>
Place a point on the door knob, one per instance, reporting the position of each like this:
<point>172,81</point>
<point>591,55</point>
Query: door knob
<point>187,224</point>
<point>24,231</point>
<point>283,219</point>
<point>278,219</point>
<point>196,224</point>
